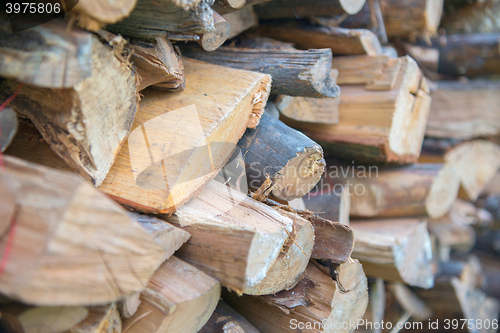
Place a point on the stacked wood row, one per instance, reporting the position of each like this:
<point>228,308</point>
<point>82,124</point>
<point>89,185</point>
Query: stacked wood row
<point>250,166</point>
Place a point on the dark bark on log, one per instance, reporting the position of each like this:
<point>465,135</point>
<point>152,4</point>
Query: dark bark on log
<point>293,162</point>
<point>294,72</point>
<point>341,41</point>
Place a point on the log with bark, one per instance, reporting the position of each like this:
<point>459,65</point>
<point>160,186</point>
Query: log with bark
<point>476,162</point>
<point>463,110</point>
<point>470,55</point>
<point>341,41</point>
<point>73,117</point>
<point>408,19</point>
<point>100,319</point>
<point>225,319</point>
<point>329,201</point>
<point>293,162</point>
<point>294,72</point>
<point>205,121</point>
<point>322,299</point>
<point>83,248</point>
<point>179,298</point>
<point>175,20</point>
<point>418,189</point>
<point>249,247</point>
<point>396,250</point>
<point>377,126</point>
<point>297,9</point>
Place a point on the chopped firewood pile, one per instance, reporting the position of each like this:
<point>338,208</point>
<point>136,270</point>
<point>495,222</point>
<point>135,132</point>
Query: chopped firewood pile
<point>245,166</point>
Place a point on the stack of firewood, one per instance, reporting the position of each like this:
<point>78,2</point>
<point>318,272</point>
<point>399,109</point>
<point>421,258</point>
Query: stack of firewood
<point>251,166</point>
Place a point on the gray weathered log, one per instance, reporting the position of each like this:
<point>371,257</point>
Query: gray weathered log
<point>294,72</point>
<point>293,162</point>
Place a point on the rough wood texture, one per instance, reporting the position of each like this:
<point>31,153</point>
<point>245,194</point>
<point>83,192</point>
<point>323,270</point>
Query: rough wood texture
<point>462,110</point>
<point>395,250</point>
<point>377,126</point>
<point>226,320</point>
<point>179,298</point>
<point>418,189</point>
<point>93,14</point>
<point>474,18</point>
<point>212,113</point>
<point>83,249</point>
<point>238,240</point>
<point>100,319</point>
<point>293,162</point>
<point>360,69</point>
<point>333,240</point>
<point>294,72</point>
<point>408,19</point>
<point>308,109</point>
<point>158,64</point>
<point>214,38</point>
<point>297,9</point>
<point>18,317</point>
<point>340,41</point>
<point>476,162</point>
<point>241,20</point>
<point>167,18</point>
<point>39,63</point>
<point>73,120</point>
<point>316,303</point>
<point>165,234</point>
<point>329,201</point>
<point>470,55</point>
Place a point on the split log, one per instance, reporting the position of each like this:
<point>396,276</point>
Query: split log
<point>73,119</point>
<point>308,109</point>
<point>395,250</point>
<point>97,254</point>
<point>294,72</point>
<point>377,126</point>
<point>94,14</point>
<point>297,9</point>
<point>293,162</point>
<point>407,19</point>
<point>239,241</point>
<point>329,202</point>
<point>360,69</point>
<point>40,64</point>
<point>462,110</point>
<point>317,303</point>
<point>100,319</point>
<point>179,298</point>
<point>451,233</point>
<point>165,234</point>
<point>175,20</point>
<point>158,64</point>
<point>458,291</point>
<point>205,121</point>
<point>476,162</point>
<point>333,240</point>
<point>469,55</point>
<point>473,18</point>
<point>225,319</point>
<point>44,319</point>
<point>410,302</point>
<point>241,20</point>
<point>418,189</point>
<point>341,41</point>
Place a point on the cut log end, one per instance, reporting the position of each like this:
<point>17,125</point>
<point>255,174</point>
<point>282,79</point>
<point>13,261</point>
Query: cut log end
<point>352,7</point>
<point>213,39</point>
<point>300,174</point>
